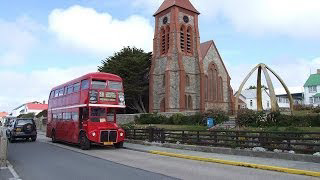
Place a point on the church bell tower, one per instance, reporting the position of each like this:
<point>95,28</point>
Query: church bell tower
<point>176,74</point>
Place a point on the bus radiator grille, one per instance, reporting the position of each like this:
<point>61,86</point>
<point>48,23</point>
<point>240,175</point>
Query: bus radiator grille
<point>108,136</point>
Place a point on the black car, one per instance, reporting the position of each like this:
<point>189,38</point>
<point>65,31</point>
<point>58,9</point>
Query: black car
<point>22,128</point>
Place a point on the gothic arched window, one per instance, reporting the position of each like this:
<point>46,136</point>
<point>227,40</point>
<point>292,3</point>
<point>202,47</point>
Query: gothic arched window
<point>206,88</point>
<point>182,43</point>
<point>187,81</point>
<point>210,84</point>
<point>215,84</point>
<point>189,40</point>
<point>163,105</point>
<point>190,102</point>
<point>163,41</point>
<point>221,89</point>
<point>167,39</point>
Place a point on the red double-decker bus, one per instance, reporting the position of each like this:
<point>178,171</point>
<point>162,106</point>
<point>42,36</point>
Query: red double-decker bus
<point>83,111</point>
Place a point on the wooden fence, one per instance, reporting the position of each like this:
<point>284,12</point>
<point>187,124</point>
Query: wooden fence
<point>301,142</point>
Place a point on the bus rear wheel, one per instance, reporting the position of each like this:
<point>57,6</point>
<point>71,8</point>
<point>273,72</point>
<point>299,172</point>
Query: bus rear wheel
<point>84,142</point>
<point>53,136</point>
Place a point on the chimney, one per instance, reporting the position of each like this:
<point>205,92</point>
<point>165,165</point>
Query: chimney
<point>318,71</point>
<point>44,102</point>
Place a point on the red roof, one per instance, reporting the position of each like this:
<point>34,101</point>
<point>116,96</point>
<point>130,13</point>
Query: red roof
<point>3,114</point>
<point>33,106</point>
<point>204,48</point>
<point>185,4</point>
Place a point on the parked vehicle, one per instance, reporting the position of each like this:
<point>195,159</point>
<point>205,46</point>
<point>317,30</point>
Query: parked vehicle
<point>83,111</point>
<point>21,128</point>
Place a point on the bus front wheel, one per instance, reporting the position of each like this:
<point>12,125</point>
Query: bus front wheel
<point>84,142</point>
<point>118,145</point>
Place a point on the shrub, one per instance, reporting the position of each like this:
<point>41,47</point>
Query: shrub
<point>150,119</point>
<point>218,115</point>
<point>248,117</point>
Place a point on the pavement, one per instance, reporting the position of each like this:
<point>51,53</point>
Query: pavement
<point>47,160</point>
<point>308,166</point>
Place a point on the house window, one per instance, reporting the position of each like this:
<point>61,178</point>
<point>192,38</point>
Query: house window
<point>312,89</point>
<point>310,100</point>
<point>221,89</point>
<point>268,104</point>
<point>251,103</point>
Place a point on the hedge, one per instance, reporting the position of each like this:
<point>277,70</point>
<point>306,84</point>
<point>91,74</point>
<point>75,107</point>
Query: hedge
<point>250,118</point>
<point>180,119</point>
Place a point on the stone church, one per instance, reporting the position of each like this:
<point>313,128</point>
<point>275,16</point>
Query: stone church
<point>185,75</point>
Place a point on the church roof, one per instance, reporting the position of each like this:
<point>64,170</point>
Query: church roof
<point>185,4</point>
<point>204,48</point>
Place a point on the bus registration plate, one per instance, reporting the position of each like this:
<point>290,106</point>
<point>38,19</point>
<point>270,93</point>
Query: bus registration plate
<point>108,143</point>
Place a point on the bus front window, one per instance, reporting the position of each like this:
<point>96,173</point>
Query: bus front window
<point>98,115</point>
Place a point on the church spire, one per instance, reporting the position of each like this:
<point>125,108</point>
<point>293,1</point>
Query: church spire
<point>185,4</point>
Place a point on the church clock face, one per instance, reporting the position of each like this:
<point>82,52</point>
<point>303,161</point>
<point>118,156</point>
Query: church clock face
<point>165,20</point>
<point>186,19</point>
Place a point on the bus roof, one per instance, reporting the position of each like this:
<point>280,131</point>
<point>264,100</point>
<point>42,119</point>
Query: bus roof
<point>93,75</point>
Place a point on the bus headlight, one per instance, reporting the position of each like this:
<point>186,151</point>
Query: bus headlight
<point>121,134</point>
<point>121,98</point>
<point>93,134</point>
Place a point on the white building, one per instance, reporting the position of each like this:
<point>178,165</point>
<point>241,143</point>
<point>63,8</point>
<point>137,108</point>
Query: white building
<point>312,90</point>
<point>250,98</point>
<point>297,94</point>
<point>32,107</point>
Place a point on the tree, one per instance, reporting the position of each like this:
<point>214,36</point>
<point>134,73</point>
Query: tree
<point>254,87</point>
<point>29,115</point>
<point>133,66</point>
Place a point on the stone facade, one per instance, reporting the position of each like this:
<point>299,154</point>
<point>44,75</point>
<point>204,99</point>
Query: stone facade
<point>180,63</point>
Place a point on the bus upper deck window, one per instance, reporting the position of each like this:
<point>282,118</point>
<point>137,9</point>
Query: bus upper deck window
<point>99,84</point>
<point>115,85</point>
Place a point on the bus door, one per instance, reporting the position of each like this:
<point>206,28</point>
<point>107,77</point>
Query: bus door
<point>83,117</point>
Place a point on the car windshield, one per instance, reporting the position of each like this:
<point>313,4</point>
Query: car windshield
<point>22,122</point>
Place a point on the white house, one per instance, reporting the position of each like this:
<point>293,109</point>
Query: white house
<point>297,94</point>
<point>250,98</point>
<point>32,107</point>
<point>312,90</point>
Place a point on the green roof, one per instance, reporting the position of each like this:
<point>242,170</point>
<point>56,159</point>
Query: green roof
<point>313,80</point>
<point>317,95</point>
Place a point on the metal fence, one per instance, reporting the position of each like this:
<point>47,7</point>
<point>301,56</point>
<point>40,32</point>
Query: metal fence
<point>301,142</point>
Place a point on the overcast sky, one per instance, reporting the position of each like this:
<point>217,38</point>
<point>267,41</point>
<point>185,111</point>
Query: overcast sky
<point>44,43</point>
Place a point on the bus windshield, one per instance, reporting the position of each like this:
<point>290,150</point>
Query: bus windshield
<point>100,115</point>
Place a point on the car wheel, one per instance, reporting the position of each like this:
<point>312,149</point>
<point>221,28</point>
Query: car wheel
<point>84,142</point>
<point>33,138</point>
<point>118,145</point>
<point>53,136</point>
<point>11,139</point>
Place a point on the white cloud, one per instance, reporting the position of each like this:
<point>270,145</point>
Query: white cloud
<point>293,72</point>
<point>24,87</point>
<point>17,39</point>
<point>99,33</point>
<point>293,18</point>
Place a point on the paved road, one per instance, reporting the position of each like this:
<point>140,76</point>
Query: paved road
<point>44,160</point>
<point>41,161</point>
